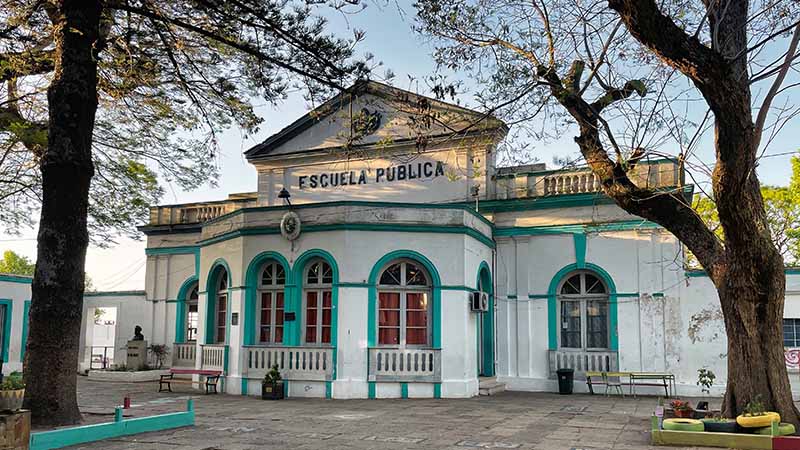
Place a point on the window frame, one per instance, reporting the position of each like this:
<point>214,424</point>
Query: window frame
<point>320,288</point>
<point>583,298</point>
<point>222,289</point>
<point>273,289</point>
<point>795,324</point>
<point>189,302</point>
<point>404,289</point>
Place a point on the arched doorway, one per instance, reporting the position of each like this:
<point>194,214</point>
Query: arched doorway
<point>485,344</point>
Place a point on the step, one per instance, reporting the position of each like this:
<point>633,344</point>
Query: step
<point>495,389</point>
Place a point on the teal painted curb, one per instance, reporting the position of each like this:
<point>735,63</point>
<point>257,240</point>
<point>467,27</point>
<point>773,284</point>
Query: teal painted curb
<point>65,437</point>
<point>403,390</point>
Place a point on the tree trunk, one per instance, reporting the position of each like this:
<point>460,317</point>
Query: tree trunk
<point>57,291</point>
<point>756,366</point>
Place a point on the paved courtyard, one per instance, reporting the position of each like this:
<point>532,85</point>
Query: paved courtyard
<point>507,420</point>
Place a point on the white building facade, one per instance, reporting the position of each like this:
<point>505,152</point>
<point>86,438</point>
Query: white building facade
<point>355,264</point>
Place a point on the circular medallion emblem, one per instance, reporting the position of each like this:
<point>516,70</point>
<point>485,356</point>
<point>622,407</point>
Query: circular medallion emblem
<point>290,226</point>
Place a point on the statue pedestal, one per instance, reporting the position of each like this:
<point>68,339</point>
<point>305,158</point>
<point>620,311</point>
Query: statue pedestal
<point>137,355</point>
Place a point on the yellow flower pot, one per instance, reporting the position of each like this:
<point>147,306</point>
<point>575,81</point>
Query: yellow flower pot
<point>764,420</point>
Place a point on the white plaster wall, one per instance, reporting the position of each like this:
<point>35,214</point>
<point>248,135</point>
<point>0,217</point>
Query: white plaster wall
<point>18,293</point>
<point>132,309</point>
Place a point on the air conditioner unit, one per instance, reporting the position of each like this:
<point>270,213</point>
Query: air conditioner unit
<point>479,301</point>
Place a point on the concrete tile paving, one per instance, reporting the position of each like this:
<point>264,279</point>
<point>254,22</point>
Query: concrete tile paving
<point>510,420</point>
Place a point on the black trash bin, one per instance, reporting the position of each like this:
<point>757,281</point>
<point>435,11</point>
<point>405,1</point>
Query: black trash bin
<point>565,377</point>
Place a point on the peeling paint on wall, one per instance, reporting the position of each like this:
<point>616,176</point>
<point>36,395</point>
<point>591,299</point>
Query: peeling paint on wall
<point>707,325</point>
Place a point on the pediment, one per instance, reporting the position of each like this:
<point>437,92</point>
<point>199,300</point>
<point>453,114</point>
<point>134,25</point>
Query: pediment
<point>371,114</point>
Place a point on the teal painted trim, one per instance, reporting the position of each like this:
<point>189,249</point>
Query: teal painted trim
<point>484,276</point>
<point>16,278</point>
<point>26,312</point>
<point>7,319</point>
<point>182,250</point>
<point>696,273</point>
<point>64,437</point>
<point>372,297</point>
<point>403,390</point>
<point>559,201</point>
<point>467,207</point>
<point>580,249</point>
<point>114,294</point>
<point>328,389</point>
<point>658,295</point>
<point>371,388</point>
<point>457,288</point>
<point>437,390</point>
<point>180,309</point>
<point>381,227</point>
<point>538,296</point>
<point>294,335</point>
<point>552,304</point>
<point>628,294</point>
<point>511,297</point>
<point>579,228</point>
<point>252,279</point>
<point>244,386</point>
<point>354,285</point>
<point>211,300</point>
<point>286,388</point>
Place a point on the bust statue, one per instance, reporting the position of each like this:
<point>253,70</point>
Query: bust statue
<point>137,334</point>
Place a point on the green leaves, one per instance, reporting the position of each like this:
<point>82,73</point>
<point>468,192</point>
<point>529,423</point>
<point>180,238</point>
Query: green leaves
<point>16,264</point>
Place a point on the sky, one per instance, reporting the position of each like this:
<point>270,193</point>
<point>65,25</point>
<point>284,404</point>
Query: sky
<point>390,38</point>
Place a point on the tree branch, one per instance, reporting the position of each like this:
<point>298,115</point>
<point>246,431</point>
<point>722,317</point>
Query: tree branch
<point>20,64</point>
<point>776,85</point>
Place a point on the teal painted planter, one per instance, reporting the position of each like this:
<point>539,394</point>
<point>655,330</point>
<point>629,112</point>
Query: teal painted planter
<point>46,440</point>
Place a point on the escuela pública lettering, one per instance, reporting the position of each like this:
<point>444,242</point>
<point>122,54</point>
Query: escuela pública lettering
<point>389,174</point>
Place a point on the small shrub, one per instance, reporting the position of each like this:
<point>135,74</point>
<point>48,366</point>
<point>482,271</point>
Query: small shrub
<point>12,382</point>
<point>754,407</point>
<point>705,379</point>
<point>273,375</point>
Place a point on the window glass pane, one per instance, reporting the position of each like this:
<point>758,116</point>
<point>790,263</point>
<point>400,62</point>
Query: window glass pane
<point>389,300</point>
<point>194,295</point>
<point>278,334</point>
<point>266,275</point>
<point>391,276</point>
<point>791,337</point>
<point>280,275</point>
<point>416,336</point>
<point>572,285</point>
<point>327,273</point>
<point>417,300</point>
<point>389,318</point>
<point>597,324</point>
<point>264,335</point>
<point>594,285</point>
<point>311,334</point>
<point>326,299</point>
<point>223,280</point>
<point>326,335</point>
<point>279,300</point>
<point>313,274</point>
<point>417,318</point>
<point>311,308</point>
<point>415,276</point>
<point>389,336</point>
<point>570,324</point>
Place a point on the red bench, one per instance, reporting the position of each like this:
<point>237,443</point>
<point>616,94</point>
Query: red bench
<point>212,378</point>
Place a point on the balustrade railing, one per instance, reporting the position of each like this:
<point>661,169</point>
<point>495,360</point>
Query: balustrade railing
<point>406,365</point>
<point>571,183</point>
<point>184,355</point>
<point>213,356</point>
<point>294,363</point>
<point>582,361</point>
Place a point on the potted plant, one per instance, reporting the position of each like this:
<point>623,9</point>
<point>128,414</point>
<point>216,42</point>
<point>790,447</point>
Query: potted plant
<point>12,392</point>
<point>272,385</point>
<point>682,409</point>
<point>160,353</point>
<point>705,379</point>
<point>754,415</point>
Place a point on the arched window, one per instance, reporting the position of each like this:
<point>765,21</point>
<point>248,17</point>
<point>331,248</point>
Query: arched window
<point>221,313</point>
<point>404,290</point>
<point>583,299</point>
<point>192,314</point>
<point>271,305</point>
<point>318,302</point>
